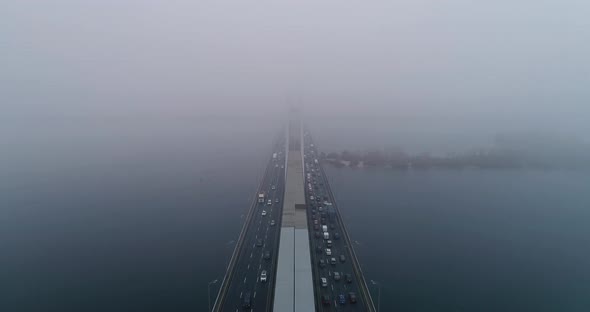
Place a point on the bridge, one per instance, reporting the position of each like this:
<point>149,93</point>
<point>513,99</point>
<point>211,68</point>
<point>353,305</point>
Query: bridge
<point>294,252</point>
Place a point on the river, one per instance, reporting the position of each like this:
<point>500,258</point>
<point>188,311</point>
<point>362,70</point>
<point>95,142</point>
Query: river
<point>140,215</point>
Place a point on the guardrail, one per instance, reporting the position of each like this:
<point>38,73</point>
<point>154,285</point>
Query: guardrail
<point>217,305</point>
<point>356,266</point>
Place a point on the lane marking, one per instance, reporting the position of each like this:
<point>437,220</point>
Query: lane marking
<point>246,277</point>
<point>254,294</point>
<point>241,292</point>
<point>248,266</point>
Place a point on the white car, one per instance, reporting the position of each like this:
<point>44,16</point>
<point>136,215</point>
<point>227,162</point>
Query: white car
<point>324,282</point>
<point>272,222</point>
<point>328,252</point>
<point>263,276</point>
<point>273,187</point>
<point>263,213</point>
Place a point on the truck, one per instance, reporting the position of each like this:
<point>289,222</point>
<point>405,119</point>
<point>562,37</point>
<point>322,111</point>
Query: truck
<point>261,198</point>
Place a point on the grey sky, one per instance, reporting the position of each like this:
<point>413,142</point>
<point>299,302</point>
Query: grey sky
<point>457,63</point>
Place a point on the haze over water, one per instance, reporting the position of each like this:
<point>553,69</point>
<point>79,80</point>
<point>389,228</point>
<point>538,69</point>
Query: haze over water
<point>132,135</point>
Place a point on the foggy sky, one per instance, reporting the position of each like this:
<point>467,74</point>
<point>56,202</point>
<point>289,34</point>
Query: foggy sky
<point>469,65</point>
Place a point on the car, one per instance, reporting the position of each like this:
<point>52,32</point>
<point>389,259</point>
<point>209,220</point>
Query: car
<point>282,167</point>
<point>352,297</point>
<point>323,221</point>
<point>318,234</point>
<point>315,221</point>
<point>276,166</point>
<point>348,278</point>
<point>266,255</point>
<point>328,252</point>
<point>336,235</point>
<point>316,227</point>
<point>329,243</point>
<point>319,249</point>
<point>277,200</point>
<point>273,187</point>
<point>247,300</point>
<point>322,263</point>
<point>263,213</point>
<point>324,282</point>
<point>342,258</point>
<point>332,226</point>
<point>341,299</point>
<point>263,276</point>
<point>272,222</point>
<point>326,300</point>
<point>269,202</point>
<point>336,276</point>
<point>259,243</point>
<point>333,261</point>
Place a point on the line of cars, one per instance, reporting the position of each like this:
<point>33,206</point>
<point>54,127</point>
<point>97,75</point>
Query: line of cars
<point>265,207</point>
<point>322,218</point>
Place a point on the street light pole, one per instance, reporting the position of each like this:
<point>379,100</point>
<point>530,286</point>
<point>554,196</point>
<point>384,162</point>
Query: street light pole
<point>209,292</point>
<point>378,295</point>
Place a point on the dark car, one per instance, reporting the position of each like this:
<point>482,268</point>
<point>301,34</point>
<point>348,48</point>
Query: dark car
<point>336,235</point>
<point>247,302</point>
<point>341,299</point>
<point>322,263</point>
<point>352,297</point>
<point>259,242</point>
<point>319,249</point>
<point>342,258</point>
<point>267,255</point>
<point>316,227</point>
<point>332,226</point>
<point>318,234</point>
<point>325,299</point>
<point>348,278</point>
<point>323,221</point>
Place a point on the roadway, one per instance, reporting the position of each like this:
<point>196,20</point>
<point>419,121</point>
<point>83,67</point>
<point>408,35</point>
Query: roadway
<point>316,185</point>
<point>244,276</point>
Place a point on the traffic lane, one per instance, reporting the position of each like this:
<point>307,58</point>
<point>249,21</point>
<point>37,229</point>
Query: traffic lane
<point>244,248</point>
<point>341,248</point>
<point>243,261</point>
<point>341,286</point>
<point>336,288</point>
<point>252,283</point>
<point>271,238</point>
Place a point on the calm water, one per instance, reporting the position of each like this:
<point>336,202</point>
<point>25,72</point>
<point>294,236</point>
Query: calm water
<point>123,216</point>
<point>120,215</point>
<point>470,240</point>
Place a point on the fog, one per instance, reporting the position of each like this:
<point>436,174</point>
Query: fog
<point>448,69</point>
